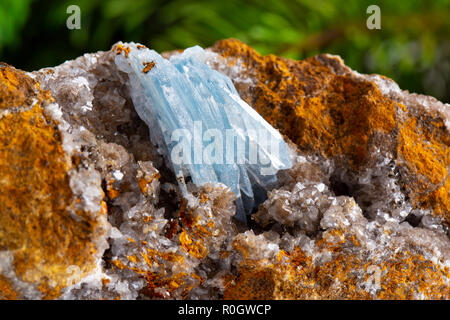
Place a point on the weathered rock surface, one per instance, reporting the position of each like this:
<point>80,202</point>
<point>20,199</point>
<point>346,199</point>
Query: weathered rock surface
<point>90,210</point>
<point>50,236</point>
<point>361,122</point>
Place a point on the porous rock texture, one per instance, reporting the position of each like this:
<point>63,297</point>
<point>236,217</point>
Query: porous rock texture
<point>89,209</point>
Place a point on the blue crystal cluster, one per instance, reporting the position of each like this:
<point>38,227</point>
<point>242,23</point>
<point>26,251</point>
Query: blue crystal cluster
<point>202,126</point>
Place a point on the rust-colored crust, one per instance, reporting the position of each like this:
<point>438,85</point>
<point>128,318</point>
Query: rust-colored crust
<point>35,197</point>
<point>317,109</point>
<point>426,153</point>
<point>295,276</point>
<point>7,291</point>
<point>148,66</point>
<point>323,107</point>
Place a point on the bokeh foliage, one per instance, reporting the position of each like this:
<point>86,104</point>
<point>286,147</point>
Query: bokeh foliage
<point>412,47</point>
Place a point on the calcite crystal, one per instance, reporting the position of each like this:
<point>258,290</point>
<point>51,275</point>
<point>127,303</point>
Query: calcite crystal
<point>91,209</point>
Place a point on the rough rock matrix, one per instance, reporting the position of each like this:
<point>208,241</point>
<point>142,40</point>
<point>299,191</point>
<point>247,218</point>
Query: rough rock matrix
<point>183,98</point>
<point>90,209</point>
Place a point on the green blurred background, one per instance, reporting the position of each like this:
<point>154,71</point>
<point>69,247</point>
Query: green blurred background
<point>412,47</point>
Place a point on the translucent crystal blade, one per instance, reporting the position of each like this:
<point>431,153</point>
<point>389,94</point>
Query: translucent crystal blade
<point>185,102</point>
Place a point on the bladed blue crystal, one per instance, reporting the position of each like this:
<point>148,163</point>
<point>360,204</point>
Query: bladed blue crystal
<point>202,127</point>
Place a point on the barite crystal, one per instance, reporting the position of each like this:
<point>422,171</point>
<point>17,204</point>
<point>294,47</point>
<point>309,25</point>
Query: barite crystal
<point>192,108</point>
<point>89,208</point>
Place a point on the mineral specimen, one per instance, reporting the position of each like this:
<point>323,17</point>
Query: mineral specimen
<point>90,209</point>
<point>53,229</point>
<point>180,97</point>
